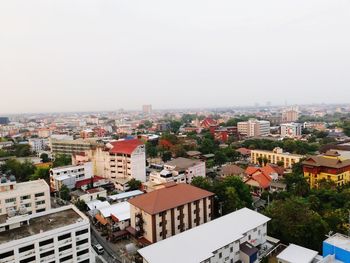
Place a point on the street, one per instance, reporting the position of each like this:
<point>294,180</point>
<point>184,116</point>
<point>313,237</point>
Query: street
<point>109,255</point>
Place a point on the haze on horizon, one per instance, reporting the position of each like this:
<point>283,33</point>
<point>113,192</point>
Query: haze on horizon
<point>87,55</point>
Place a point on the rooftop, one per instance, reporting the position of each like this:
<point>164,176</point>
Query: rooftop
<point>26,187</point>
<point>326,161</point>
<point>297,254</point>
<point>168,197</point>
<point>125,146</point>
<point>339,240</point>
<point>43,222</point>
<point>208,237</point>
<point>125,195</point>
<point>182,163</point>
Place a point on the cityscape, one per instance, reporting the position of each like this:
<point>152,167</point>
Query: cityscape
<point>174,132</point>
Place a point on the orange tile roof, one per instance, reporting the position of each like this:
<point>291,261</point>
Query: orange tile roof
<point>125,146</point>
<point>263,180</point>
<point>169,197</point>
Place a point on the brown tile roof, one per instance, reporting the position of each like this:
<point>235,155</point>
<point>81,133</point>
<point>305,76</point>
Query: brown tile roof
<point>231,169</point>
<point>326,162</point>
<point>169,197</point>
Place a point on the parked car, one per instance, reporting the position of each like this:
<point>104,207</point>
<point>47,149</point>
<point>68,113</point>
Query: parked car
<point>98,248</point>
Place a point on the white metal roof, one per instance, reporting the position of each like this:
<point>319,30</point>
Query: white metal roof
<point>97,204</point>
<point>297,254</point>
<point>125,195</point>
<point>197,244</point>
<point>119,210</point>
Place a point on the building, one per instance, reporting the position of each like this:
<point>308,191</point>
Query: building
<point>231,170</point>
<point>179,170</point>
<point>235,237</point>
<point>338,247</point>
<point>320,126</point>
<point>147,109</point>
<point>116,215</point>
<point>276,156</point>
<point>168,211</point>
<point>329,166</point>
<point>4,120</point>
<point>254,128</point>
<point>291,129</point>
<point>123,197</point>
<point>70,175</point>
<point>71,146</point>
<point>290,115</point>
<point>88,195</point>
<point>37,144</point>
<point>23,198</point>
<point>57,235</point>
<point>297,254</point>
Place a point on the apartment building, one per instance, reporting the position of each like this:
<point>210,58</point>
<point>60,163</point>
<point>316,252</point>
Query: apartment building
<point>179,170</point>
<point>70,175</point>
<point>254,128</point>
<point>72,146</point>
<point>275,157</point>
<point>236,237</point>
<point>118,161</point>
<point>329,166</point>
<point>168,211</point>
<point>37,144</point>
<point>147,109</point>
<point>291,129</point>
<point>290,115</point>
<point>57,235</point>
<point>23,198</point>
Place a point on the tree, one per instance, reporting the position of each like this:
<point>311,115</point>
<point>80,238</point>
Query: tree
<point>22,171</point>
<point>64,193</point>
<point>22,150</point>
<point>151,150</point>
<point>175,126</point>
<point>232,202</point>
<point>166,156</point>
<point>260,160</point>
<point>265,161</point>
<point>62,160</point>
<point>292,221</point>
<point>220,158</point>
<point>45,158</point>
<point>202,182</point>
<point>134,184</point>
<point>41,173</point>
<point>208,145</point>
<point>81,205</point>
<point>297,184</point>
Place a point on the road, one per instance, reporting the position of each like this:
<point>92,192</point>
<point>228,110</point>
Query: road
<point>109,255</point>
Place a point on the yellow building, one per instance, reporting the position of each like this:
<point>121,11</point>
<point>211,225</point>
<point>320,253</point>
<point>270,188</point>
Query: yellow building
<point>330,166</point>
<point>275,156</point>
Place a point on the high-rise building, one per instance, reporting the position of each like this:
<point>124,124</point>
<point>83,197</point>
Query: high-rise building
<point>290,115</point>
<point>147,109</point>
<point>56,235</point>
<point>254,128</point>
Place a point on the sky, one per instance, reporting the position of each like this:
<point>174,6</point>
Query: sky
<point>90,55</point>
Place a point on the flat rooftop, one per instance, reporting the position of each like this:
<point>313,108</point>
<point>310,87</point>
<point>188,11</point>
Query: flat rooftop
<point>26,187</point>
<point>339,240</point>
<point>42,222</point>
<point>297,254</point>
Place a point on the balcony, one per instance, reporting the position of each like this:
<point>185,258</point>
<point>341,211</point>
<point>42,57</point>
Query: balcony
<point>10,259</point>
<point>82,246</point>
<point>47,258</point>
<point>64,241</point>
<point>27,253</point>
<point>46,247</point>
<point>65,252</point>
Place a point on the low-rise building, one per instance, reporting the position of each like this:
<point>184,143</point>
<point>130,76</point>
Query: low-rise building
<point>236,237</point>
<point>37,144</point>
<point>57,235</point>
<point>72,146</point>
<point>329,166</point>
<point>275,157</point>
<point>88,195</point>
<point>70,175</point>
<point>297,254</point>
<point>168,211</point>
<point>254,128</point>
<point>22,198</point>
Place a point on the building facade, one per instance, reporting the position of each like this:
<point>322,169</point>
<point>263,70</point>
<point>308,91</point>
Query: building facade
<point>23,198</point>
<point>275,156</point>
<point>57,235</point>
<point>70,175</point>
<point>217,241</point>
<point>71,146</point>
<point>291,129</point>
<point>171,210</point>
<point>329,166</point>
<point>254,128</point>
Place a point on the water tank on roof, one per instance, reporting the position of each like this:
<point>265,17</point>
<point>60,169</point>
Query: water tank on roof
<point>12,178</point>
<point>3,179</point>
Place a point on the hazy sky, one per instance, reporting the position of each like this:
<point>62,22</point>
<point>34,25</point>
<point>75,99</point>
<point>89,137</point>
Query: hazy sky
<point>70,55</point>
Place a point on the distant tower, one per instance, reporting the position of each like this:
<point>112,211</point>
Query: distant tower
<point>147,109</point>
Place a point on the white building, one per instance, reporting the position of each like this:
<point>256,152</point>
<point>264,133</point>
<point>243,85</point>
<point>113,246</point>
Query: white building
<point>69,175</point>
<point>57,235</point>
<point>297,254</point>
<point>23,198</point>
<point>254,128</point>
<point>37,145</point>
<point>291,129</point>
<point>179,170</point>
<point>230,238</point>
<point>88,195</point>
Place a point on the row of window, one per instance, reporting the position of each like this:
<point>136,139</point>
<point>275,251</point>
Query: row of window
<point>25,197</point>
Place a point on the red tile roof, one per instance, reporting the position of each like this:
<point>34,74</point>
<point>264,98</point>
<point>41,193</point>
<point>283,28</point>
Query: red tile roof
<point>169,197</point>
<point>81,183</point>
<point>263,180</point>
<point>125,146</point>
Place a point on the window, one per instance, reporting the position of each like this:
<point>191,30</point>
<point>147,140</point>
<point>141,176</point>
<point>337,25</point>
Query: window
<point>45,242</point>
<point>27,260</point>
<point>40,202</point>
<point>82,242</point>
<point>10,200</point>
<point>66,258</point>
<point>6,254</point>
<point>26,248</point>
<point>64,237</point>
<point>25,197</point>
<point>65,248</point>
<point>39,194</point>
<point>85,251</point>
<point>220,255</point>
<point>48,253</point>
<point>231,249</point>
<point>85,261</point>
<point>81,232</point>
